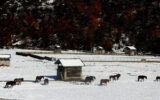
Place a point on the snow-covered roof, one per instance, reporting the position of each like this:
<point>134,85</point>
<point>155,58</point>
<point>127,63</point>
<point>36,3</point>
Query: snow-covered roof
<point>70,62</point>
<point>57,46</point>
<point>17,43</point>
<point>99,47</point>
<point>131,47</point>
<point>50,1</point>
<point>5,56</point>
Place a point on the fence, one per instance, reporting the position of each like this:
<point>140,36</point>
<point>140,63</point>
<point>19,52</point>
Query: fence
<point>35,56</point>
<point>98,58</point>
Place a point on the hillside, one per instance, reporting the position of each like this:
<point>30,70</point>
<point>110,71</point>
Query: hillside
<point>80,24</point>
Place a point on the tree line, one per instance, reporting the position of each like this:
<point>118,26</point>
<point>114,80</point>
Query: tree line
<point>80,24</point>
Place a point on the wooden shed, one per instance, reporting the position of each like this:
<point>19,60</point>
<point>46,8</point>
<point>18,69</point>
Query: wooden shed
<point>57,49</point>
<point>69,69</point>
<point>5,59</point>
<point>98,50</point>
<point>130,50</point>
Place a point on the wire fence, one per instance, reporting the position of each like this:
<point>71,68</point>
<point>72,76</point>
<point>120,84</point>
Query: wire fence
<point>97,58</point>
<point>125,59</point>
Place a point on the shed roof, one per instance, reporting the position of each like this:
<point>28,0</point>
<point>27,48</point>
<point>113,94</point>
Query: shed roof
<point>5,56</point>
<point>131,47</point>
<point>57,46</point>
<point>70,62</point>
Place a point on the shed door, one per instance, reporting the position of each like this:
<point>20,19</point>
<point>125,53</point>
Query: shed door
<point>73,72</point>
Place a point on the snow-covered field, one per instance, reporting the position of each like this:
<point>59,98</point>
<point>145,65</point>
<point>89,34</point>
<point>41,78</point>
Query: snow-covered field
<point>104,57</point>
<point>127,88</point>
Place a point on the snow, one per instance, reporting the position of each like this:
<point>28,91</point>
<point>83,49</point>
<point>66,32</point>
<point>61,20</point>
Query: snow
<point>74,62</point>
<point>101,58</point>
<point>126,88</point>
<point>131,47</point>
<point>50,1</point>
<point>5,56</point>
<point>17,43</point>
<point>73,51</point>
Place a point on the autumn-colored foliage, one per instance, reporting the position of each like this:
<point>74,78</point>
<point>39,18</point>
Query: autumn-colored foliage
<point>156,31</point>
<point>79,24</point>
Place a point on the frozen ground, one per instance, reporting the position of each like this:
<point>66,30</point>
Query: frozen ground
<point>104,57</point>
<point>127,88</point>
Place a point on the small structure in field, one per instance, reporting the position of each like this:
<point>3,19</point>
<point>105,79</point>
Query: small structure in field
<point>69,69</point>
<point>98,50</point>
<point>57,49</point>
<point>5,59</point>
<point>130,50</point>
<point>143,60</point>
